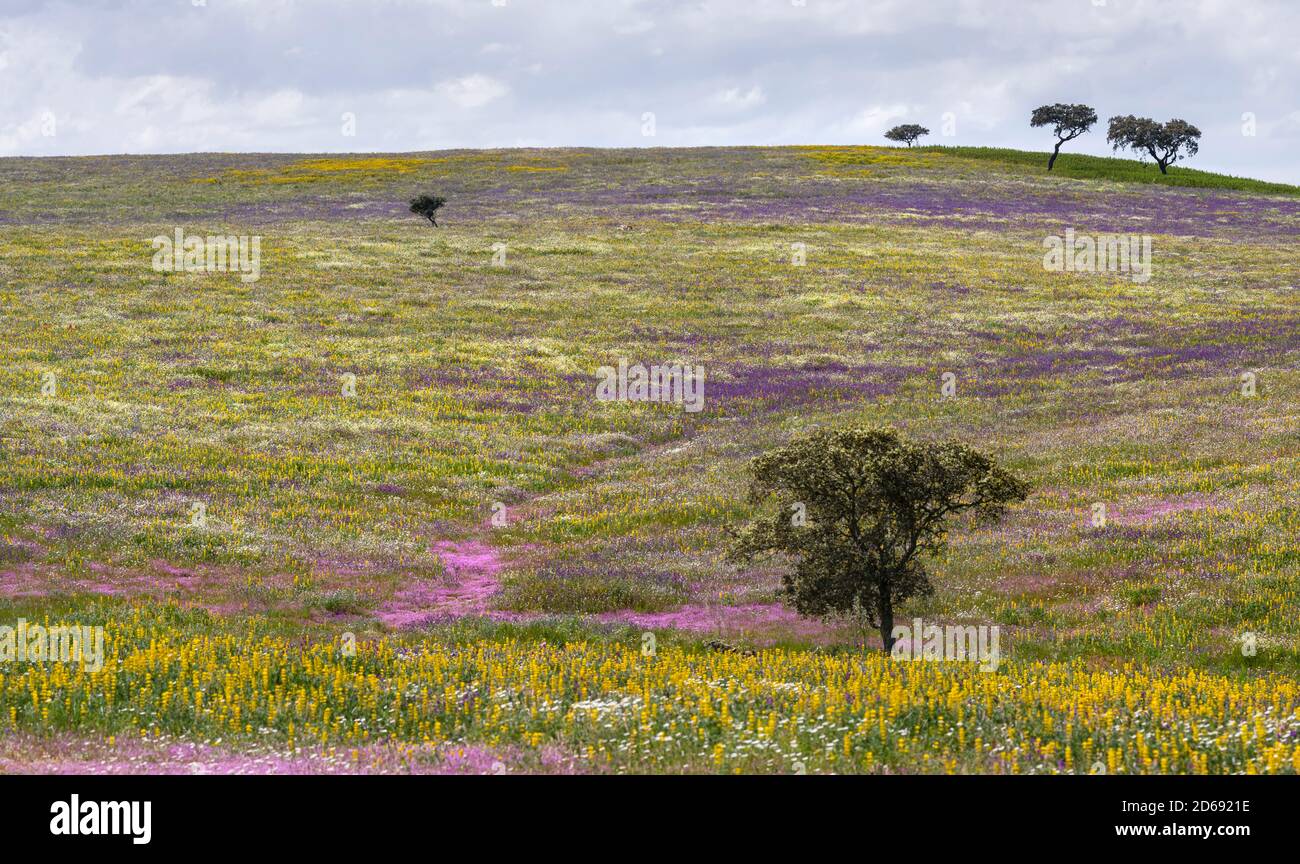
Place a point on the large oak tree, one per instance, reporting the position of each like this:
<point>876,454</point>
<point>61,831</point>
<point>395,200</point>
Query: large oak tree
<point>857,513</point>
<point>1163,142</point>
<point>1067,121</point>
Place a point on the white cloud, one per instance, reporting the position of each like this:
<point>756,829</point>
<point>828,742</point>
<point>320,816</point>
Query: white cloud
<point>872,122</point>
<point>274,75</point>
<point>634,28</point>
<point>473,91</point>
<point>1289,125</point>
<point>736,98</point>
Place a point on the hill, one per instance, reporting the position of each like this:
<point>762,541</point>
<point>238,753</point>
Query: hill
<point>392,432</point>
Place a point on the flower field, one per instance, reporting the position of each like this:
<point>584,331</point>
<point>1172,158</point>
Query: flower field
<point>366,513</point>
<point>617,708</point>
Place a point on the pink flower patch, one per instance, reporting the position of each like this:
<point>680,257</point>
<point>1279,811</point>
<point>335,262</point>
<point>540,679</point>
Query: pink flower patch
<point>1160,508</point>
<point>755,621</point>
<point>471,569</point>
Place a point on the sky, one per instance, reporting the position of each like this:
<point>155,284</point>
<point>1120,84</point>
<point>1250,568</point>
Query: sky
<point>173,76</point>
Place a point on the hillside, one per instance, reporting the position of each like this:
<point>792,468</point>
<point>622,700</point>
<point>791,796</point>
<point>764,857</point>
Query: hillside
<point>470,511</point>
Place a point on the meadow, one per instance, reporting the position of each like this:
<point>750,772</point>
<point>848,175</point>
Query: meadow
<point>365,513</point>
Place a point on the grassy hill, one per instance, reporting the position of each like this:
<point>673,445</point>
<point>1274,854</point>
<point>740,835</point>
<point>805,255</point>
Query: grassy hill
<point>200,480</point>
<point>1084,167</point>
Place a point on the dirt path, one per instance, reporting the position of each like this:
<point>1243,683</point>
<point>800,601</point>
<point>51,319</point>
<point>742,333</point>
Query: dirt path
<point>471,580</point>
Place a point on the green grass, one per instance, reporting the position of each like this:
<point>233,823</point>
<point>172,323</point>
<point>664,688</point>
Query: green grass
<point>1080,166</point>
<point>475,386</point>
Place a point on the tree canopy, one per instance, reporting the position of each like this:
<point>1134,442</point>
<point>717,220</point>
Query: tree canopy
<point>857,511</point>
<point>1067,121</point>
<point>1164,143</point>
<point>908,132</point>
<point>427,206</point>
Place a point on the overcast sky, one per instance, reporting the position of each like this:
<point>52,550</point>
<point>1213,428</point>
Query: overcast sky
<point>167,76</point>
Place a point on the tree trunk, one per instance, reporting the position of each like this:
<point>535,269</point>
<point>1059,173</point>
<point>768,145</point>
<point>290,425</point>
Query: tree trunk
<point>1057,152</point>
<point>885,608</point>
<point>1163,168</point>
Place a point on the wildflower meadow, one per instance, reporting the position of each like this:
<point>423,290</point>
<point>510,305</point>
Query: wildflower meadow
<point>456,499</point>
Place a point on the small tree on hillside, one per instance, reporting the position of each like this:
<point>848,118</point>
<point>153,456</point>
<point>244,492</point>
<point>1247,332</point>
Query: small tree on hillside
<point>858,511</point>
<point>908,132</point>
<point>428,206</point>
<point>1162,142</point>
<point>1067,121</point>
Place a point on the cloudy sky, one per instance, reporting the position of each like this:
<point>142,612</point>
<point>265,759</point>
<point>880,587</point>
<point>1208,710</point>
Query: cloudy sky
<point>165,76</point>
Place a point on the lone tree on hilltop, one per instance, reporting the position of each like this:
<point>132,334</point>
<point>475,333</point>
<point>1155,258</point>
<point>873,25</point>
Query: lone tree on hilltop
<point>1162,142</point>
<point>908,132</point>
<point>857,511</point>
<point>428,206</point>
<point>1067,121</point>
